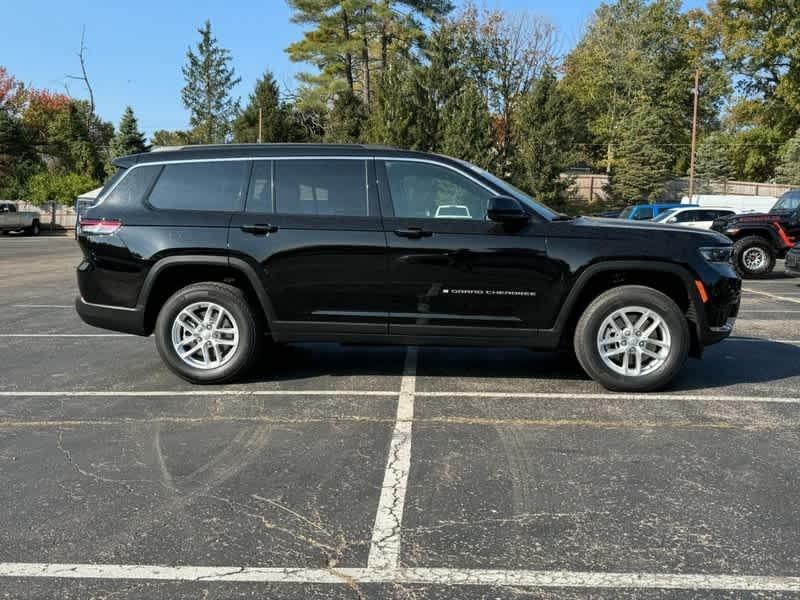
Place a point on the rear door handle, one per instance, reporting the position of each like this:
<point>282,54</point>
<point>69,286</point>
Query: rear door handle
<point>413,232</point>
<point>259,228</point>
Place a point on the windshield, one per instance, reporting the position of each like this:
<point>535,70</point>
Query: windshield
<point>790,201</point>
<point>665,215</point>
<point>626,214</point>
<point>539,209</point>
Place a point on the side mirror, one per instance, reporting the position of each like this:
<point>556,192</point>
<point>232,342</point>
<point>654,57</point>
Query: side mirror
<point>505,209</point>
<point>672,220</point>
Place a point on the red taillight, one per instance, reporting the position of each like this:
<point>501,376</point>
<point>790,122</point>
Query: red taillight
<point>99,226</point>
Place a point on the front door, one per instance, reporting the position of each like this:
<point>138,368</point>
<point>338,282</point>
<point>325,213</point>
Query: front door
<point>452,272</point>
<point>312,229</point>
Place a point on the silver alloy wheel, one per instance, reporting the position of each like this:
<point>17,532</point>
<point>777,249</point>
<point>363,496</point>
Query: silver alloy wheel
<point>205,335</point>
<point>754,258</point>
<point>634,341</point>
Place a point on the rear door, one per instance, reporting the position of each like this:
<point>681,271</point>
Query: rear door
<point>312,229</point>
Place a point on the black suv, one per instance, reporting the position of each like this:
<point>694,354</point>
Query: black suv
<point>761,238</point>
<point>222,251</point>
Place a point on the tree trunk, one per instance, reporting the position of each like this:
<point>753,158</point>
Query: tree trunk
<point>348,57</point>
<point>365,60</point>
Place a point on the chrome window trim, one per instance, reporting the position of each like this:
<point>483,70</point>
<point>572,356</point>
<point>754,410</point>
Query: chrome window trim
<point>128,171</point>
<point>438,164</point>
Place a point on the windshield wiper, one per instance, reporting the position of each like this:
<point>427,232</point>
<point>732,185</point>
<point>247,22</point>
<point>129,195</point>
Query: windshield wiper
<point>562,217</point>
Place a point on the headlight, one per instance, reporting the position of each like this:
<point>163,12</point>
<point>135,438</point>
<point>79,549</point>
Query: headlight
<point>717,254</point>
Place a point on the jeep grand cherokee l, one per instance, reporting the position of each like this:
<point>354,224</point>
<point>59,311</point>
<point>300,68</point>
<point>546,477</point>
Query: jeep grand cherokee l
<point>221,250</point>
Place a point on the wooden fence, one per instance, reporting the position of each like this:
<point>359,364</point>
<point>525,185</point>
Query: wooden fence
<point>591,188</point>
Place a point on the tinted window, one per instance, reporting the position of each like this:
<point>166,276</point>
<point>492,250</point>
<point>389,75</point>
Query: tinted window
<point>321,187</point>
<point>134,185</point>
<point>427,191</point>
<point>789,201</point>
<point>643,213</point>
<point>259,196</point>
<point>215,185</point>
<point>686,216</point>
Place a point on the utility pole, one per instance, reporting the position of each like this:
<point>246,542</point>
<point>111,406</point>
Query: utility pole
<point>260,120</point>
<point>696,92</point>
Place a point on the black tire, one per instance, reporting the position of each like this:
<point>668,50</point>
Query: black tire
<point>34,230</point>
<point>588,328</point>
<point>753,243</point>
<point>248,320</point>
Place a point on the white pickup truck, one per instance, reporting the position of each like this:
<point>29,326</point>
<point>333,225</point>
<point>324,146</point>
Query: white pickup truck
<point>13,220</point>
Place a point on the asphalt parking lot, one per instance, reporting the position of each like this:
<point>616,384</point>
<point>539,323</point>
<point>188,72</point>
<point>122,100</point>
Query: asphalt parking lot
<point>349,472</point>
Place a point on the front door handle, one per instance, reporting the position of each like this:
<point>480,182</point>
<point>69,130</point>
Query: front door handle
<point>413,232</point>
<point>259,228</point>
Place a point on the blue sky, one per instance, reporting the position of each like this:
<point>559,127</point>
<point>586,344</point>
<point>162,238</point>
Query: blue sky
<point>136,49</point>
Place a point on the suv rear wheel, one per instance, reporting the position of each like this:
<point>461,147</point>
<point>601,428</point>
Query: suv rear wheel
<point>753,256</point>
<point>208,333</point>
<point>632,339</point>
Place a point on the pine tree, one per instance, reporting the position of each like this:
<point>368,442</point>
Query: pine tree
<point>346,120</point>
<point>465,128</point>
<point>128,140</point>
<point>788,170</point>
<point>209,81</point>
<point>352,42</point>
<point>402,113</point>
<point>266,97</point>
<point>544,137</point>
<point>643,166</point>
<point>714,159</point>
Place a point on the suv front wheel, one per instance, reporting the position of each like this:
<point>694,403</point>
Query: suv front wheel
<point>208,333</point>
<point>632,339</point>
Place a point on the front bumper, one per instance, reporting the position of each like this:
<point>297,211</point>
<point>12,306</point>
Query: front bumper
<point>716,317</point>
<point>115,318</point>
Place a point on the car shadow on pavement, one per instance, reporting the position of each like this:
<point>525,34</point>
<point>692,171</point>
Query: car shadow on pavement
<point>732,362</point>
<point>739,361</point>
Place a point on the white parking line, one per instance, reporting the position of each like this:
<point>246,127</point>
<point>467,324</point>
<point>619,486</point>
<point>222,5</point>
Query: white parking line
<point>384,551</point>
<point>417,575</point>
<point>774,296</point>
<point>754,311</point>
<point>180,393</point>
<point>757,339</point>
<point>387,393</point>
<point>66,335</point>
<point>43,306</point>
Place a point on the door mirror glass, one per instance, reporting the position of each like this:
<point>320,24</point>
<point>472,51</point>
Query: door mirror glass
<point>505,209</point>
<point>672,220</point>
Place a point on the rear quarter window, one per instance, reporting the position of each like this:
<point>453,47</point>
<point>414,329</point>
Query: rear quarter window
<point>128,187</point>
<point>203,186</point>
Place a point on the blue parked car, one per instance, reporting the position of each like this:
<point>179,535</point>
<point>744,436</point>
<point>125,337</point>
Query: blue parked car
<point>644,212</point>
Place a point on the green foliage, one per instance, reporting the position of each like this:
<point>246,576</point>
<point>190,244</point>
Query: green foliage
<point>266,97</point>
<point>755,153</point>
<point>545,135</point>
<point>46,186</point>
<point>163,137</point>
<point>760,43</point>
<point>18,158</point>
<point>636,52</point>
<point>402,113</point>
<point>642,170</point>
<point>465,128</point>
<point>347,119</point>
<point>788,170</point>
<point>128,140</point>
<point>352,43</point>
<point>209,81</point>
<point>714,159</point>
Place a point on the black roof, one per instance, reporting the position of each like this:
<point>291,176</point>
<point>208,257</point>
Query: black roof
<point>196,152</point>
